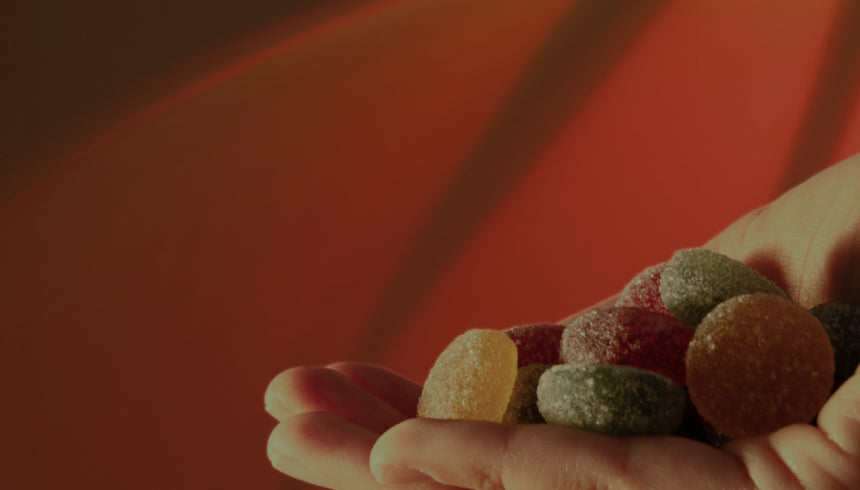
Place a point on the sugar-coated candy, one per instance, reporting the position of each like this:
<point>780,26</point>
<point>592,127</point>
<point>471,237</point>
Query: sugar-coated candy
<point>643,291</point>
<point>472,378</point>
<point>842,323</point>
<point>536,344</point>
<point>619,400</point>
<point>758,362</point>
<point>696,280</point>
<point>522,407</point>
<point>628,336</point>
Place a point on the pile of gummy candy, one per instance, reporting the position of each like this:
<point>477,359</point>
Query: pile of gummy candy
<point>701,346</point>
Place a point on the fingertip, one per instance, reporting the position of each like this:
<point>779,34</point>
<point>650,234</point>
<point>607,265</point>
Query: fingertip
<point>840,416</point>
<point>273,400</point>
<point>279,447</point>
<point>276,408</point>
<point>280,395</point>
<point>395,458</point>
<point>391,448</point>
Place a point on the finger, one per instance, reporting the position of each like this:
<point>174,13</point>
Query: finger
<point>326,450</point>
<point>315,389</point>
<point>765,466</point>
<point>806,241</point>
<point>813,459</point>
<point>390,387</point>
<point>803,456</point>
<point>839,420</point>
<point>277,396</point>
<point>494,456</point>
<point>797,456</point>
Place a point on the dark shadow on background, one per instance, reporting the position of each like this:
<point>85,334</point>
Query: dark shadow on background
<point>69,69</point>
<point>834,95</point>
<point>587,42</point>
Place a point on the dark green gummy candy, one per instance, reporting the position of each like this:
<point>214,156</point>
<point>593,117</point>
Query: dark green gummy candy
<point>842,323</point>
<point>696,280</point>
<point>522,407</point>
<point>619,400</point>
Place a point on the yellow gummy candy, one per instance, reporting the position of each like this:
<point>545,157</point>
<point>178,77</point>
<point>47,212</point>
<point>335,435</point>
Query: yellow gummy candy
<point>472,378</point>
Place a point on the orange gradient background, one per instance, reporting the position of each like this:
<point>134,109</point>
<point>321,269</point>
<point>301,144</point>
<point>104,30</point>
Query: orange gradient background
<point>364,181</point>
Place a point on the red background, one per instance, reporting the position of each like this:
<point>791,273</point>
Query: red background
<point>194,199</point>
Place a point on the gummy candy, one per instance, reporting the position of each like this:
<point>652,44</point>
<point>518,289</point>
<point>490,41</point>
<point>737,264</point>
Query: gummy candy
<point>842,323</point>
<point>644,291</point>
<point>696,280</point>
<point>692,426</point>
<point>628,336</point>
<point>472,378</point>
<point>758,362</point>
<point>536,344</point>
<point>610,399</point>
<point>522,407</point>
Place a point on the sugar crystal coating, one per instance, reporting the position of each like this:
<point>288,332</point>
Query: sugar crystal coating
<point>611,399</point>
<point>522,407</point>
<point>536,344</point>
<point>758,362</point>
<point>643,291</point>
<point>842,323</point>
<point>628,336</point>
<point>472,378</point>
<point>696,280</point>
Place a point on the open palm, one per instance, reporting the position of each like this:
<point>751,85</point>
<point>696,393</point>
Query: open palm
<point>353,425</point>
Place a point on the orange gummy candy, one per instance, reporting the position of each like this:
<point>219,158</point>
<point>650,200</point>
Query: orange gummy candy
<point>759,362</point>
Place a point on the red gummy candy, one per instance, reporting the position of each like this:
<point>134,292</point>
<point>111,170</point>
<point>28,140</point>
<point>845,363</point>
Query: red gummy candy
<point>644,291</point>
<point>536,344</point>
<point>629,336</point>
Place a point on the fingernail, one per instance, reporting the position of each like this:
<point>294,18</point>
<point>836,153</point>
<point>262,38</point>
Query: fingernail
<point>401,474</point>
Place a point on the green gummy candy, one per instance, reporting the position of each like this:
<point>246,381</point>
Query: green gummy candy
<point>522,407</point>
<point>619,400</point>
<point>696,280</point>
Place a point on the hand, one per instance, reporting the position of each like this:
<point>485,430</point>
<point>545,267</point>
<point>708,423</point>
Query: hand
<point>330,419</point>
<point>352,425</point>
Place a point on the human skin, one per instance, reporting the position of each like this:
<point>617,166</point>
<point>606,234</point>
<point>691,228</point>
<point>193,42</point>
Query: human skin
<point>353,425</point>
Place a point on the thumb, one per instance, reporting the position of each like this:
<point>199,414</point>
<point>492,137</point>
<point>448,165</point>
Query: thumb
<point>807,240</point>
<point>487,456</point>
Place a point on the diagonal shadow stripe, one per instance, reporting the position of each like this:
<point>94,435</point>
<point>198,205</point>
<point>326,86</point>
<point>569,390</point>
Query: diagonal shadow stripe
<point>835,93</point>
<point>587,42</point>
<point>30,145</point>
